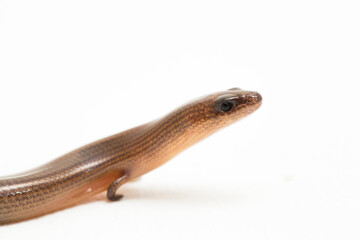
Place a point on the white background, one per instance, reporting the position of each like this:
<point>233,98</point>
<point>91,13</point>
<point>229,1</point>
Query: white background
<point>72,72</point>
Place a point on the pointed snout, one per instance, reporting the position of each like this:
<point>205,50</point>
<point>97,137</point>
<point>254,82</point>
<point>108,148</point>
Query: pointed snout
<point>254,97</point>
<point>249,98</point>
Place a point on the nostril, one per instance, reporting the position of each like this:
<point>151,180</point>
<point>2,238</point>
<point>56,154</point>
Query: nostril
<point>254,97</point>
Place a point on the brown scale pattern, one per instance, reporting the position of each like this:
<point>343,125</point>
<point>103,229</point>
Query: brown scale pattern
<point>89,170</point>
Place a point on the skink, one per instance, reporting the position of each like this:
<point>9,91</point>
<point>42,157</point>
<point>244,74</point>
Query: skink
<point>109,163</point>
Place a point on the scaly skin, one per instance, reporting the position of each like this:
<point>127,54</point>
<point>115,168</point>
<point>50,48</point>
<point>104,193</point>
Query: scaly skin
<point>113,161</point>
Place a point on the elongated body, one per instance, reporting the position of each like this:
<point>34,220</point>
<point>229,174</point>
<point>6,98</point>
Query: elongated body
<point>111,162</point>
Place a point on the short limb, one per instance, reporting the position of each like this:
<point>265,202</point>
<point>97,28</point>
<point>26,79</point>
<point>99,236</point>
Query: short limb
<point>114,186</point>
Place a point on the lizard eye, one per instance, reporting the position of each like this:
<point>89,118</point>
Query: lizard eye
<point>226,106</point>
<point>226,103</point>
